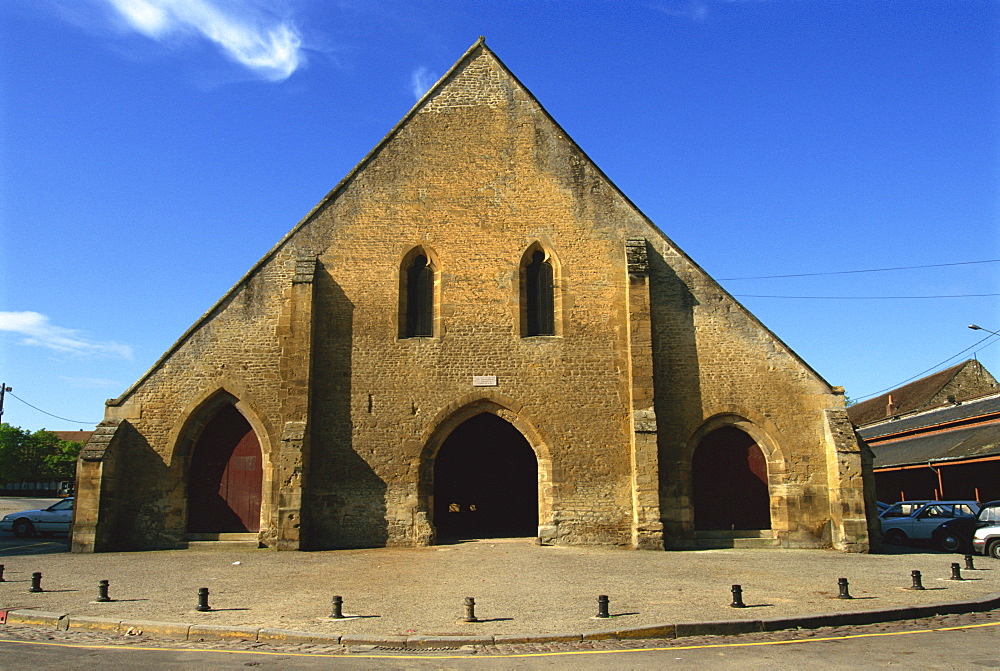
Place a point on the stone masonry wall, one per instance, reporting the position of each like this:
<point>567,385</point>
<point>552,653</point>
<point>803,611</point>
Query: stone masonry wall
<point>349,426</point>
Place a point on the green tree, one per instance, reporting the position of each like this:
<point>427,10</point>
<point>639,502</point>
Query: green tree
<point>60,463</point>
<point>33,457</point>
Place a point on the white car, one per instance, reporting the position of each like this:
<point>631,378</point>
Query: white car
<point>57,518</point>
<point>986,541</point>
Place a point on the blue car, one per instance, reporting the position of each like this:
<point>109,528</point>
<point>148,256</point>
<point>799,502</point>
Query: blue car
<point>919,520</point>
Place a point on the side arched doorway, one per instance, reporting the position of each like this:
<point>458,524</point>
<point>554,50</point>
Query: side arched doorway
<point>224,485</point>
<point>730,482</point>
<point>485,482</point>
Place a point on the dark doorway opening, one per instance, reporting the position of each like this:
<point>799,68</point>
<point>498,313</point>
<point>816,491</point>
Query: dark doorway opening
<point>485,482</point>
<point>730,482</point>
<point>224,489</point>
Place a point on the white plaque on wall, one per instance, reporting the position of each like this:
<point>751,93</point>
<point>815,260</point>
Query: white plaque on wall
<point>484,380</point>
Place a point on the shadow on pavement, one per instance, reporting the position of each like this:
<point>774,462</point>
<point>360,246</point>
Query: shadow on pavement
<point>11,546</point>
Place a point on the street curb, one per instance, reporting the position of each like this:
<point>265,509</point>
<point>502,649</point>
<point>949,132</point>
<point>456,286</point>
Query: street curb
<point>185,631</point>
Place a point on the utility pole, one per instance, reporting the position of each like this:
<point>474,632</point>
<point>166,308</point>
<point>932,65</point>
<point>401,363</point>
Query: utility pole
<point>3,390</point>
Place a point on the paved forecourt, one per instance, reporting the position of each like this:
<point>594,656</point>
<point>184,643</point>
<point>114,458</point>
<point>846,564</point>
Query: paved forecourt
<point>522,591</point>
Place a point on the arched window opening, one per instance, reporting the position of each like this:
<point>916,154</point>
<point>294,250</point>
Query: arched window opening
<point>418,298</point>
<point>539,298</point>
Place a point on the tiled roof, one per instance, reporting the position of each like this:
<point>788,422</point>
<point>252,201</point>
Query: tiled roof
<point>969,430</point>
<point>977,407</point>
<point>907,398</point>
<point>959,444</point>
<point>74,436</point>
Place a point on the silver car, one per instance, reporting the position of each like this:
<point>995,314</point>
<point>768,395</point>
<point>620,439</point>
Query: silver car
<point>57,518</point>
<point>917,520</point>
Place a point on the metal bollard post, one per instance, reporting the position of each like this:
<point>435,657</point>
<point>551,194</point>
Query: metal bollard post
<point>844,594</point>
<point>737,597</point>
<point>338,603</point>
<point>470,610</point>
<point>956,571</point>
<point>602,606</point>
<point>36,583</point>
<point>1,574</point>
<point>203,600</point>
<point>917,584</point>
<point>968,563</point>
<point>102,591</point>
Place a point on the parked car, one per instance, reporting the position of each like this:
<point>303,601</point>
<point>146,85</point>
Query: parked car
<point>956,535</point>
<point>57,518</point>
<point>918,520</point>
<point>986,540</point>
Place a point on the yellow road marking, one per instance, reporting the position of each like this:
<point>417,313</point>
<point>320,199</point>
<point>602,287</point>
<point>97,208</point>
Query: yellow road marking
<point>489,657</point>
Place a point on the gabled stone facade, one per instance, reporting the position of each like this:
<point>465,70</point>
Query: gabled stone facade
<point>476,287</point>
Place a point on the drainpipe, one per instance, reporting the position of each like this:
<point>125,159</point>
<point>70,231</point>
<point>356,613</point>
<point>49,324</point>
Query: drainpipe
<point>940,481</point>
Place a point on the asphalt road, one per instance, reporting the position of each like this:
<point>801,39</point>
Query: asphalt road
<point>11,546</point>
<point>968,641</point>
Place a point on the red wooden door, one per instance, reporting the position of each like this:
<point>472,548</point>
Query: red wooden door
<point>239,486</point>
<point>224,492</point>
<point>730,482</point>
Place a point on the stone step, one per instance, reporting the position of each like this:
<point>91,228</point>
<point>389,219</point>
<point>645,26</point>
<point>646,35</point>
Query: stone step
<point>740,543</point>
<point>223,540</point>
<point>735,533</point>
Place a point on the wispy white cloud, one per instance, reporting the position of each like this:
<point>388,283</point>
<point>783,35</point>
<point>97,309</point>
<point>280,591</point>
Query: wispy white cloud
<point>695,10</point>
<point>420,81</point>
<point>38,331</point>
<point>247,35</point>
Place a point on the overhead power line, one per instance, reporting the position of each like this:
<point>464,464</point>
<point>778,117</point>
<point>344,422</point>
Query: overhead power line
<point>922,373</point>
<point>74,421</point>
<point>852,272</point>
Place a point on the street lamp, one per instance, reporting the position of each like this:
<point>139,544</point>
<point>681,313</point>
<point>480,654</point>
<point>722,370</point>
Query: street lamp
<point>974,327</point>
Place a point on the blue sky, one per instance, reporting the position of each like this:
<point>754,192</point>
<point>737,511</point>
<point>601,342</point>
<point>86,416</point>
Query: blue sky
<point>152,150</point>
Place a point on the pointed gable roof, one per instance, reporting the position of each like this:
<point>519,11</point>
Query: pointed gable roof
<point>466,83</point>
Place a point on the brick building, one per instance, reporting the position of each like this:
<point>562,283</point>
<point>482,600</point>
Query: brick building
<point>475,334</point>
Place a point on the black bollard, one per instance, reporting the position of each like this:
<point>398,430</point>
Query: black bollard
<point>844,594</point>
<point>917,584</point>
<point>1,574</point>
<point>602,606</point>
<point>968,563</point>
<point>470,610</point>
<point>956,571</point>
<point>737,597</point>
<point>203,606</point>
<point>102,591</point>
<point>338,603</point>
<point>36,583</point>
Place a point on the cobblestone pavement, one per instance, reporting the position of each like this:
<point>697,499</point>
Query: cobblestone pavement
<point>520,588</point>
<point>93,638</point>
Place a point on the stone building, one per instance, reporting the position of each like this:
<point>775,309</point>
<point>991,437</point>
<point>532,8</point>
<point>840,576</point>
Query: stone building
<point>475,334</point>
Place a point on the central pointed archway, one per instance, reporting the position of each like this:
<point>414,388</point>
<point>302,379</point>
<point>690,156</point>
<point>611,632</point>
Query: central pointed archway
<point>485,482</point>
